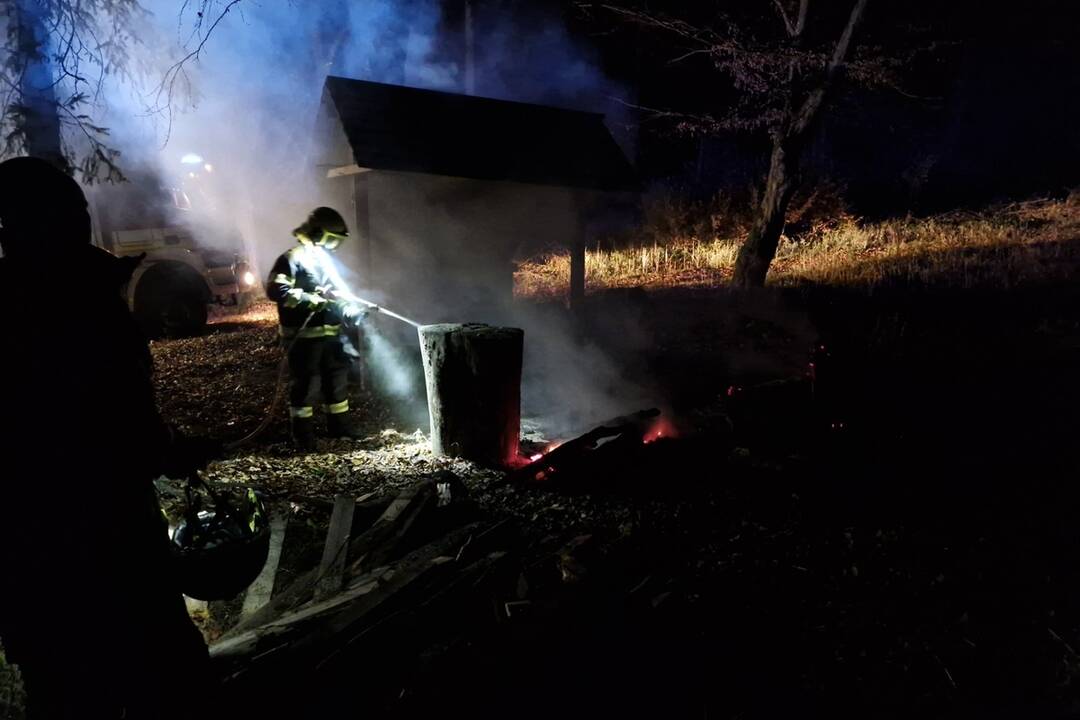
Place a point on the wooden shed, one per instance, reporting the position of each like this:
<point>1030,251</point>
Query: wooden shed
<point>445,189</point>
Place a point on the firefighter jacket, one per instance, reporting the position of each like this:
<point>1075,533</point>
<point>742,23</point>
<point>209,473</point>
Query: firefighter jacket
<point>299,287</point>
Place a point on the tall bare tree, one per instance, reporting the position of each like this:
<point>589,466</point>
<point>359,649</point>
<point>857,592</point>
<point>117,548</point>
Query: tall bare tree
<point>54,66</point>
<point>781,59</point>
<point>789,136</point>
<point>53,69</point>
<point>35,117</point>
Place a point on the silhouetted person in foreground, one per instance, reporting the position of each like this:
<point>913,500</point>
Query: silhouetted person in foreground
<point>89,608</point>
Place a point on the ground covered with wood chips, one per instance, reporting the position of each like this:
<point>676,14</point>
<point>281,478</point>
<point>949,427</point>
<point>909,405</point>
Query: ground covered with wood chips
<point>889,534</point>
<point>223,385</point>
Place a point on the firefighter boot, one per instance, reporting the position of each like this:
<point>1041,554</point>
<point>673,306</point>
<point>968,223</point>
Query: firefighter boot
<point>303,433</point>
<point>338,426</point>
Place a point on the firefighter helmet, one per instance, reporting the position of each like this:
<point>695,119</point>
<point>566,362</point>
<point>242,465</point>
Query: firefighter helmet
<point>324,227</point>
<point>220,552</point>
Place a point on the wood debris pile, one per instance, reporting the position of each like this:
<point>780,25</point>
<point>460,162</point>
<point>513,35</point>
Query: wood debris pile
<point>385,591</point>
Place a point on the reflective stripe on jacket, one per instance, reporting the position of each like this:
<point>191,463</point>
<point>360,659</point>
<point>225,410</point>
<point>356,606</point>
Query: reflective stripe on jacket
<point>318,331</point>
<point>294,284</point>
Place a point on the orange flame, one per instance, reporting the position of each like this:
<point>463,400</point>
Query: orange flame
<point>662,428</point>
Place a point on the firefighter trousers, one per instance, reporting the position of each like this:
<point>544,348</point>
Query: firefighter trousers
<point>318,369</point>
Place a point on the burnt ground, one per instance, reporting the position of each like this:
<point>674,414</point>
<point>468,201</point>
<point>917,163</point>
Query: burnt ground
<point>895,540</point>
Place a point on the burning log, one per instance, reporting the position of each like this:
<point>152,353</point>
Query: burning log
<point>634,426</point>
<point>473,375</point>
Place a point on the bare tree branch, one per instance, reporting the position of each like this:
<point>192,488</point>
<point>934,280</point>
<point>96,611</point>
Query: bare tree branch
<point>164,94</point>
<point>88,41</point>
<point>784,16</point>
<point>800,24</point>
<point>810,107</point>
<point>76,45</point>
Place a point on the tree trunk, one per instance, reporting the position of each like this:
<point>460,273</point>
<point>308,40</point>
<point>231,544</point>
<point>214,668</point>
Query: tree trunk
<point>473,375</point>
<point>757,253</point>
<point>39,119</point>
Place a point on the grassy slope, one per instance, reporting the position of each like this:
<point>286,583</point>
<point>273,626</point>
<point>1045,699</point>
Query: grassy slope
<point>921,562</point>
<point>1000,247</point>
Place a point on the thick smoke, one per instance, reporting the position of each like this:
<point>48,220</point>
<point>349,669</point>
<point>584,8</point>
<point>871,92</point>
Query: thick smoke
<point>246,106</point>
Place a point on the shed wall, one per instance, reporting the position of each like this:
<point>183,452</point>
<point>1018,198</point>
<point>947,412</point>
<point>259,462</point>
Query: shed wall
<point>442,249</point>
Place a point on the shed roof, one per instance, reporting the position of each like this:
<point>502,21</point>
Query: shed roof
<point>393,127</point>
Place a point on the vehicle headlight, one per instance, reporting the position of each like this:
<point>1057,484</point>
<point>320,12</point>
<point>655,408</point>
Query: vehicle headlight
<point>248,278</point>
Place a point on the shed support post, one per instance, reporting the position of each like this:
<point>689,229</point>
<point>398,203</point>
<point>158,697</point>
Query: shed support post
<point>362,228</point>
<point>577,269</point>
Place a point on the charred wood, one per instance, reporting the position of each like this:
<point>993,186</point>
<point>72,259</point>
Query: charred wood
<point>631,427</point>
<point>473,376</point>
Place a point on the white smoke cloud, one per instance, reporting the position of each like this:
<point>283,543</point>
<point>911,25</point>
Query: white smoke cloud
<point>247,105</point>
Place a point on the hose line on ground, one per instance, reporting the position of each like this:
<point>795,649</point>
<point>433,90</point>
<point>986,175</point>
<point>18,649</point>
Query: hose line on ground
<point>279,390</point>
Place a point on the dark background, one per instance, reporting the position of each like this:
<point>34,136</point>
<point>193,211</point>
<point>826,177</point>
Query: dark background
<point>986,109</point>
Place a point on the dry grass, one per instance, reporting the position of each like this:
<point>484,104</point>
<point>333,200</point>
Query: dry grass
<point>1001,247</point>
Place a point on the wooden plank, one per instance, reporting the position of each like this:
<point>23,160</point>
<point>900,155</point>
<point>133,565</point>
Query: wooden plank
<point>383,541</point>
<point>332,565</point>
<point>386,529</point>
<point>260,592</point>
<point>321,621</point>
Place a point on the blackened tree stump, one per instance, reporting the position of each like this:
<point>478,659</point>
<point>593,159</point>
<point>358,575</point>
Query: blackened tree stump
<point>473,375</point>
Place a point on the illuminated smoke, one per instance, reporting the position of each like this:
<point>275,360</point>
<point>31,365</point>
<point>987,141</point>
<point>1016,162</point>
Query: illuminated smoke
<point>389,365</point>
<point>247,106</point>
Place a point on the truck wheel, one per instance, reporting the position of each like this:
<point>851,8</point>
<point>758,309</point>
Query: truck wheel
<point>183,315</point>
<point>168,304</point>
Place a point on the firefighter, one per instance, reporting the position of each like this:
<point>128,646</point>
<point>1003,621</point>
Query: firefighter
<point>91,610</point>
<point>314,320</point>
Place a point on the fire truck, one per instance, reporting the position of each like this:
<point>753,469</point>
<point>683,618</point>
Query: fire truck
<point>193,261</point>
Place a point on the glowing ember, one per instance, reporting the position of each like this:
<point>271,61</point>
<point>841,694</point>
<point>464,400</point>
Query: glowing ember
<point>531,455</point>
<point>661,428</point>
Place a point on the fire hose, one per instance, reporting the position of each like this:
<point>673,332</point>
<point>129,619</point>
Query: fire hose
<point>348,296</point>
<point>279,390</point>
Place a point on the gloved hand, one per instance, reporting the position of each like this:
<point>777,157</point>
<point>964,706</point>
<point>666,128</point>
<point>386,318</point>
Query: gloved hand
<point>352,312</point>
<point>316,301</point>
<point>186,455</point>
